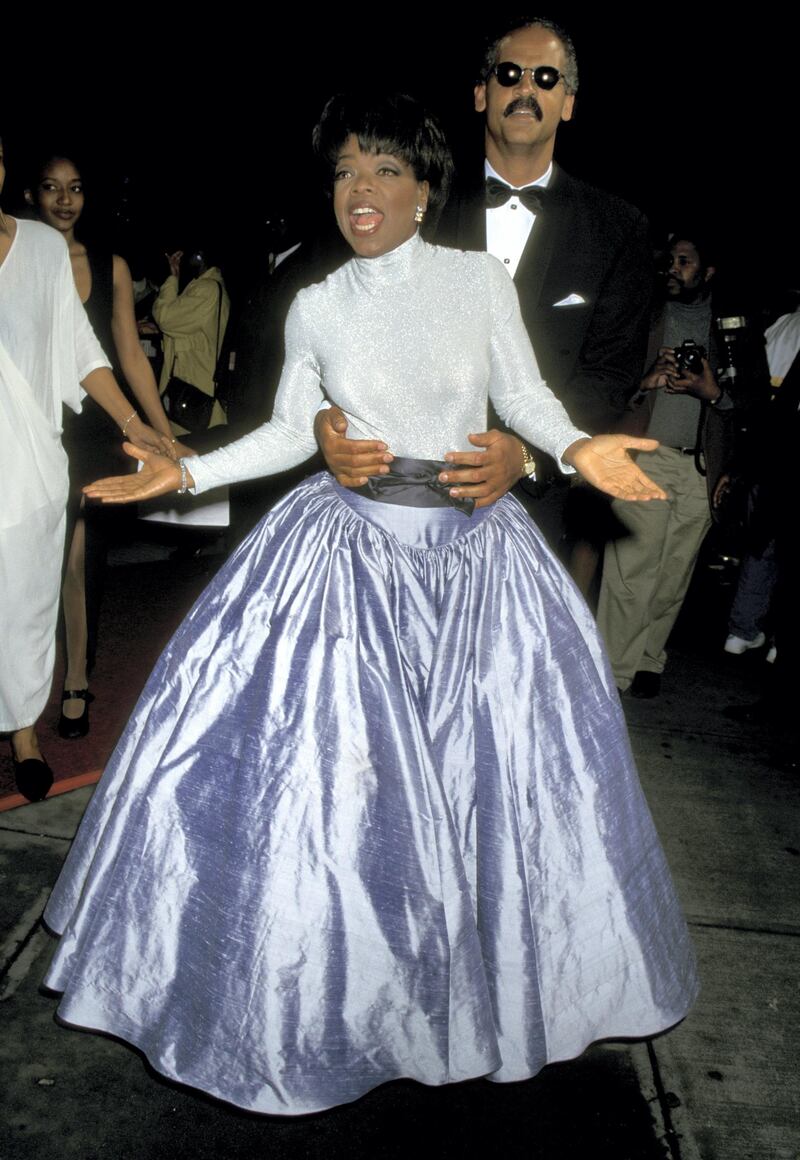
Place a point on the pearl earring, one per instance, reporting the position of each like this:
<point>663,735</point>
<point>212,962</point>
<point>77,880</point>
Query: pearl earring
<point>420,214</point>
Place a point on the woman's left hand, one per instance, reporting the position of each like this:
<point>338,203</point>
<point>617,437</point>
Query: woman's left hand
<point>604,462</point>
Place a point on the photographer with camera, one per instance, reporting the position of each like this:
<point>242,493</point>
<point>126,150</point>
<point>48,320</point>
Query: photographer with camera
<point>687,405</point>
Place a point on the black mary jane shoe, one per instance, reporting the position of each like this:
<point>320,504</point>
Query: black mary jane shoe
<point>34,777</point>
<point>72,727</point>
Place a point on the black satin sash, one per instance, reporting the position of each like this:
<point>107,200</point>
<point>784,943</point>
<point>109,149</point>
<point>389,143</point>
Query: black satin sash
<point>414,483</point>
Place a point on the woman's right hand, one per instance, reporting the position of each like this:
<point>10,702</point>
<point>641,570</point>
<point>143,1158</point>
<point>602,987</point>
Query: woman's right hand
<point>158,476</point>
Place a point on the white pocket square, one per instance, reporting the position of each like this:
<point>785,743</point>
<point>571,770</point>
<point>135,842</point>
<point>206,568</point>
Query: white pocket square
<point>571,300</point>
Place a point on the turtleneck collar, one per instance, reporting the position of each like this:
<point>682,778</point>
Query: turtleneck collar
<point>397,264</point>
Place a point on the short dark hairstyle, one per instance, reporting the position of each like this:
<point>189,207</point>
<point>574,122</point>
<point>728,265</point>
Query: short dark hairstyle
<point>701,237</point>
<point>395,124</point>
<point>493,44</point>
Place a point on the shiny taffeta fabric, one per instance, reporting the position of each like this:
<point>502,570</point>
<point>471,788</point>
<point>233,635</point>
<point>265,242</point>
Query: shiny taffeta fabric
<point>374,816</point>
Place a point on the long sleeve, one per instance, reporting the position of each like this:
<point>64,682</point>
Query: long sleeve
<point>186,313</point>
<point>288,438</point>
<point>193,326</point>
<point>408,362</point>
<point>520,396</point>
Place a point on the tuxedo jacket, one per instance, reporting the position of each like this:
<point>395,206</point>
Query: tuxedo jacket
<point>589,251</point>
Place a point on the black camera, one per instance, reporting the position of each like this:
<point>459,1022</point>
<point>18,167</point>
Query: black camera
<point>689,357</point>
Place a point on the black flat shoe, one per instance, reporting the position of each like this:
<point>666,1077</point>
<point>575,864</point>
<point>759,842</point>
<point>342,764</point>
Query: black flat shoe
<point>72,727</point>
<point>34,778</point>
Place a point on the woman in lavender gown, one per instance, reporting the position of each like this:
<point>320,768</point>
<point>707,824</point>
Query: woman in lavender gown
<point>375,814</point>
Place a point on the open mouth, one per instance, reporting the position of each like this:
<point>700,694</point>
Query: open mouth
<point>365,219</point>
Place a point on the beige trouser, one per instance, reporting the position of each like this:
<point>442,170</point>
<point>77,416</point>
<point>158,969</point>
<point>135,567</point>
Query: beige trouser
<point>646,574</point>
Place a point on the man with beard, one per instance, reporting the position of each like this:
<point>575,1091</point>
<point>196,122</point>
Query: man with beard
<point>646,572</point>
<point>579,258</point>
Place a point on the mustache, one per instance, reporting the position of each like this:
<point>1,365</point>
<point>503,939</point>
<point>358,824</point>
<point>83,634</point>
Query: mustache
<point>530,103</point>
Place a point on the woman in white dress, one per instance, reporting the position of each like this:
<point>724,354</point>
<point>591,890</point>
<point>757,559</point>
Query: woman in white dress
<point>48,357</point>
<point>103,282</point>
<point>375,814</point>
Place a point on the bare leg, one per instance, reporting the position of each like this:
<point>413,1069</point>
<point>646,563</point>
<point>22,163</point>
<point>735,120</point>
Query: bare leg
<point>25,744</point>
<point>74,603</point>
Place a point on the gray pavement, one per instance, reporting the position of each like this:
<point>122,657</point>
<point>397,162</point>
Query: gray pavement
<point>722,1086</point>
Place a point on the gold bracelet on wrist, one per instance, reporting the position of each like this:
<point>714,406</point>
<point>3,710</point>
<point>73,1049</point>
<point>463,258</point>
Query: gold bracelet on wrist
<point>127,421</point>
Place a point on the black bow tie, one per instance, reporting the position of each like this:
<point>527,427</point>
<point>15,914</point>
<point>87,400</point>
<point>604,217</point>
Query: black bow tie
<point>533,197</point>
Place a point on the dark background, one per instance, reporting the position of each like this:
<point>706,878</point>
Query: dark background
<point>203,123</point>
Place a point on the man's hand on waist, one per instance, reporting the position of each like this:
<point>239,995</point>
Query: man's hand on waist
<point>486,475</point>
<point>350,461</point>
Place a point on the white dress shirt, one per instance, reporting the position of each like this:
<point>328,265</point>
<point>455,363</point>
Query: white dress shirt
<point>508,226</point>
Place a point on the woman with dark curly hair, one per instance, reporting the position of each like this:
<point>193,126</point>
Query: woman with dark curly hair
<point>375,815</point>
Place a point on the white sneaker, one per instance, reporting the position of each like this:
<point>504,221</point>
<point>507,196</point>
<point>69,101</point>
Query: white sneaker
<point>738,645</point>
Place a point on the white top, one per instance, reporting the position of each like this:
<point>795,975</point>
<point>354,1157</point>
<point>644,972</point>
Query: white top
<point>43,325</point>
<point>46,346</point>
<point>410,345</point>
<point>508,226</point>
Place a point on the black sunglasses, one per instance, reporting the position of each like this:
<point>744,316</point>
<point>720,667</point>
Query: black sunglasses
<point>509,74</point>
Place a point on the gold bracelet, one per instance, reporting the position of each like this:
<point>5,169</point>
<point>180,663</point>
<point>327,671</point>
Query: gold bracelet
<point>127,421</point>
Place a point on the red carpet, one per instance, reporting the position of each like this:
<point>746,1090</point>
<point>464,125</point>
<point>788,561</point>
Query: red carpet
<point>143,605</point>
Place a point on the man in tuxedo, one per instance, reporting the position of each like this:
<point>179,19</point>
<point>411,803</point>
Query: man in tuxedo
<point>579,257</point>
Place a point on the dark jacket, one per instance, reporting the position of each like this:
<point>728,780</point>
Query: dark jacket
<point>586,242</point>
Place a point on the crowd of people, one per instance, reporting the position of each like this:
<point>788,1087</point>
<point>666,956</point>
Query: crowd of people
<point>375,814</point>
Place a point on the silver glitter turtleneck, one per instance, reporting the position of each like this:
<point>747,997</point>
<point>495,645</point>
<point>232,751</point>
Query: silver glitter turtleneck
<point>410,345</point>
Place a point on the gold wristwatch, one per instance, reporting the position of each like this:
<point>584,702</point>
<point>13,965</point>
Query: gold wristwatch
<point>528,463</point>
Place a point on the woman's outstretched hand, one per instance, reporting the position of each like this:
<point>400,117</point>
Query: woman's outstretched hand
<point>158,476</point>
<point>604,462</point>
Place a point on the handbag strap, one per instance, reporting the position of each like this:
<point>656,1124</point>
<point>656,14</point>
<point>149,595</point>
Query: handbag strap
<point>217,345</point>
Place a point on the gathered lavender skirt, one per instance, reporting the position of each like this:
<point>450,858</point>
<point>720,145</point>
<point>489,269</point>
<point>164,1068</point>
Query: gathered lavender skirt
<point>374,816</point>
